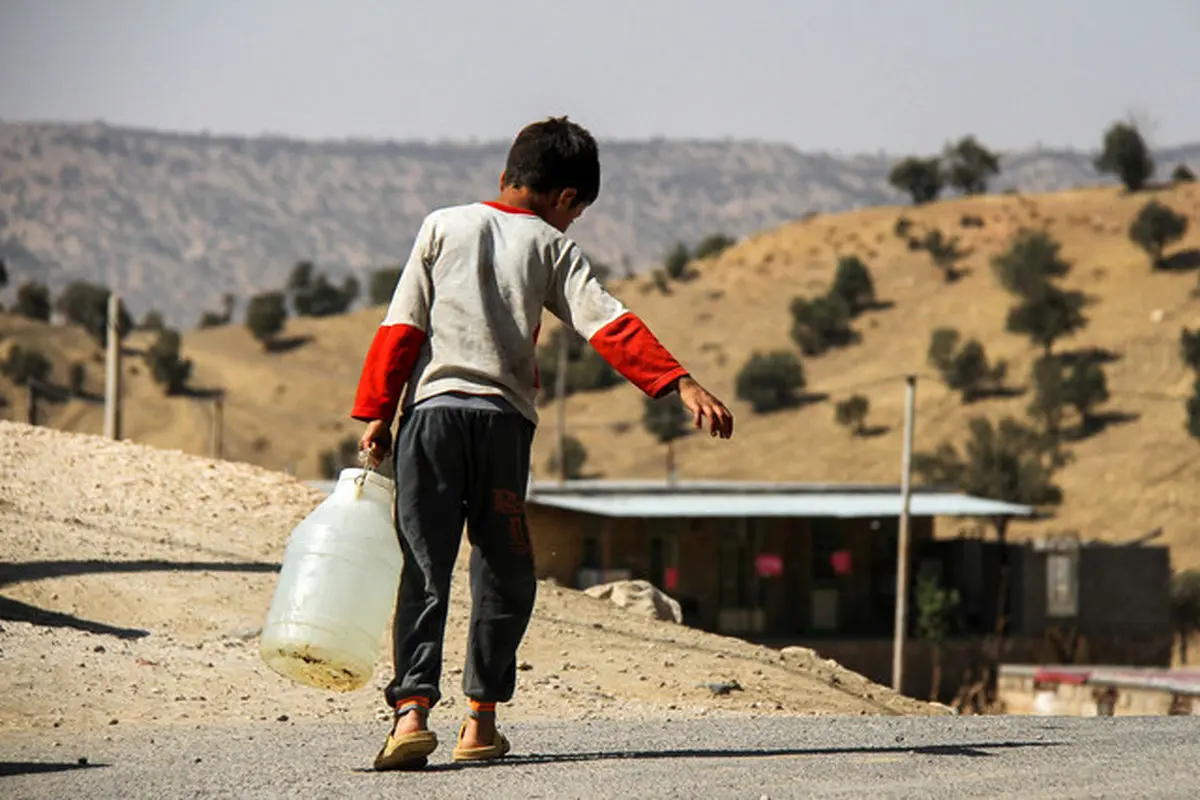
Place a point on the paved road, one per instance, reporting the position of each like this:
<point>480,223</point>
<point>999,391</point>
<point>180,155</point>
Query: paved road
<point>1025,757</point>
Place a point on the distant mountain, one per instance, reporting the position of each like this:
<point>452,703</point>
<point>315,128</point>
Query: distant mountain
<point>175,220</point>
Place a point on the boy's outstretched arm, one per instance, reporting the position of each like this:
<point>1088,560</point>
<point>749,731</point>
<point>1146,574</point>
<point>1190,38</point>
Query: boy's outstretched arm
<point>394,350</point>
<point>625,342</point>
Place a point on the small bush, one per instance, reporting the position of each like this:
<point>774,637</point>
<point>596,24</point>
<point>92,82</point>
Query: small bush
<point>166,366</point>
<point>964,369</point>
<point>33,302</point>
<point>821,324</point>
<point>266,314</point>
<point>971,221</point>
<point>313,295</point>
<point>852,283</point>
<point>23,366</point>
<point>851,413</point>
<point>1183,174</point>
<point>772,381</point>
<point>574,457</point>
<point>1192,406</point>
<point>76,378</point>
<point>1189,348</point>
<point>1085,386</point>
<point>675,263</point>
<point>665,418</point>
<point>344,456</point>
<point>382,285</point>
<point>152,321</point>
<point>1155,227</point>
<point>713,245</point>
<point>901,227</point>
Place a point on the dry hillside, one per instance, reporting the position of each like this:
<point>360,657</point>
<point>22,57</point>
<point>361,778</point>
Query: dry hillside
<point>133,581</point>
<point>1135,476</point>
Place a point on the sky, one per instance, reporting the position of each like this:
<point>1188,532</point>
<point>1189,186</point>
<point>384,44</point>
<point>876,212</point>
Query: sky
<point>843,76</point>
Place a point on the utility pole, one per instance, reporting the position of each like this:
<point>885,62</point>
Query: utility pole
<point>218,425</point>
<point>560,394</point>
<point>901,625</point>
<point>112,381</point>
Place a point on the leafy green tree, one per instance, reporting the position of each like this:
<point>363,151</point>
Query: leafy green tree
<point>382,285</point>
<point>1185,608</point>
<point>219,319</point>
<point>344,456</point>
<point>1189,348</point>
<point>166,366</point>
<point>964,368</point>
<point>76,378</point>
<point>266,314</point>
<point>313,295</point>
<point>675,263</point>
<point>1085,386</point>
<point>1008,462</point>
<point>1183,174</point>
<point>921,179</point>
<point>665,418</point>
<point>86,305</point>
<point>771,381</point>
<point>1049,393</point>
<point>574,457</point>
<point>945,253</point>
<point>152,321</point>
<point>1126,155</point>
<point>970,165</point>
<point>1029,269</point>
<point>1155,227</point>
<point>821,323</point>
<point>936,609</point>
<point>587,371</point>
<point>25,365</point>
<point>851,413</point>
<point>852,283</point>
<point>33,301</point>
<point>3,275</point>
<point>713,245</point>
<point>1192,407</point>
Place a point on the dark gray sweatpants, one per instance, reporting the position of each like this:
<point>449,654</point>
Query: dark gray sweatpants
<point>455,465</point>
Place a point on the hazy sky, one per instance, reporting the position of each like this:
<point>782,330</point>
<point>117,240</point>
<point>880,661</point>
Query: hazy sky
<point>842,75</point>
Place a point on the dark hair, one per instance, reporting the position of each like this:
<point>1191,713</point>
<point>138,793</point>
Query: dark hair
<point>555,154</point>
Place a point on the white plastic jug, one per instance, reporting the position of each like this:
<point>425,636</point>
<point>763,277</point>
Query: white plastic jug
<point>337,587</point>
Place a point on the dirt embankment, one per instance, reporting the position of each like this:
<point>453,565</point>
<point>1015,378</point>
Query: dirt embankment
<point>133,581</point>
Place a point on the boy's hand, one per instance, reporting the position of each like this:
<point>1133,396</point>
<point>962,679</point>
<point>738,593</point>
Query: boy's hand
<point>376,442</point>
<point>702,404</point>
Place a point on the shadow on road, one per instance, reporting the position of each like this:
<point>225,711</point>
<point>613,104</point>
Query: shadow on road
<point>26,571</point>
<point>10,769</point>
<point>977,750</point>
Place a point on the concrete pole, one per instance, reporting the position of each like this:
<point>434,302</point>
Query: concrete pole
<point>902,570</point>
<point>560,394</point>
<point>112,382</point>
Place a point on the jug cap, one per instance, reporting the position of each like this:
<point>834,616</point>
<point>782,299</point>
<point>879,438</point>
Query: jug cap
<point>356,474</point>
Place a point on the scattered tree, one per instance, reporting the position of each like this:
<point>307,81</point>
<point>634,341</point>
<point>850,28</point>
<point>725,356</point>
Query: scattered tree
<point>1085,386</point>
<point>1155,227</point>
<point>936,609</point>
<point>166,366</point>
<point>852,283</point>
<point>1126,155</point>
<point>3,275</point>
<point>1029,269</point>
<point>944,252</point>
<point>33,301</point>
<point>266,314</point>
<point>713,245</point>
<point>821,323</point>
<point>1189,348</point>
<point>921,179</point>
<point>1049,394</point>
<point>587,371</point>
<point>219,319</point>
<point>23,366</point>
<point>382,285</point>
<point>772,381</point>
<point>851,413</point>
<point>675,263</point>
<point>965,368</point>
<point>1192,407</point>
<point>574,457</point>
<point>901,226</point>
<point>970,165</point>
<point>1183,174</point>
<point>1185,608</point>
<point>313,295</point>
<point>665,418</point>
<point>1008,462</point>
<point>86,305</point>
<point>152,321</point>
<point>76,378</point>
<point>344,456</point>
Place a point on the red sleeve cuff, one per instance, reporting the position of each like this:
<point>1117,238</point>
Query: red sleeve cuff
<point>388,366</point>
<point>629,346</point>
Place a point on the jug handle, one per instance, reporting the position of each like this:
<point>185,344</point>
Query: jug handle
<point>364,461</point>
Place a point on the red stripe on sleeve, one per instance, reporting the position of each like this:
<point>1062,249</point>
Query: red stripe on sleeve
<point>636,353</point>
<point>388,366</point>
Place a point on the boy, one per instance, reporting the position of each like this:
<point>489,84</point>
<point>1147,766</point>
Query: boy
<point>457,351</point>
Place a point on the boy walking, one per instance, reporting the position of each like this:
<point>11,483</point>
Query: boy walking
<point>457,352</point>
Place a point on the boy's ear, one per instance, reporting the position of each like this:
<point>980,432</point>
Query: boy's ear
<point>566,199</point>
<point>503,180</point>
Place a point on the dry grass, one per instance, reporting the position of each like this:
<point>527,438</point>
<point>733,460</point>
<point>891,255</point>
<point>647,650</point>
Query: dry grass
<point>1135,476</point>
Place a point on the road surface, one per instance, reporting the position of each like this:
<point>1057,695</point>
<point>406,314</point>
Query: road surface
<point>951,757</point>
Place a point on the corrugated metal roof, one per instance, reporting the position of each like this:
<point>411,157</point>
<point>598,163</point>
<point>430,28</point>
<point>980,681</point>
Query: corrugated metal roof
<point>782,504</point>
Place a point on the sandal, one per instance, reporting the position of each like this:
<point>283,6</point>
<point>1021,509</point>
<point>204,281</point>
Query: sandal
<point>409,750</point>
<point>490,752</point>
